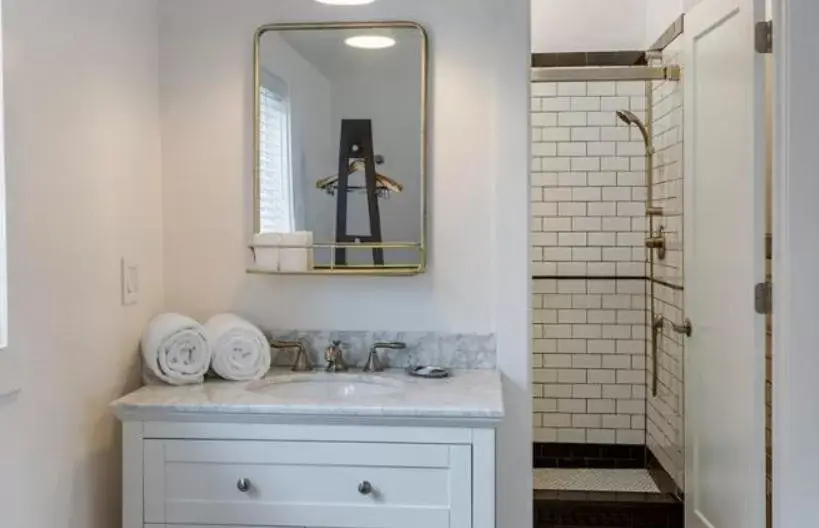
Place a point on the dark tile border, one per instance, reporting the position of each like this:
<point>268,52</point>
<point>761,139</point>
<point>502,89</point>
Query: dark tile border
<point>667,284</point>
<point>610,510</point>
<point>585,59</point>
<point>588,456</point>
<point>661,476</point>
<point>670,35</point>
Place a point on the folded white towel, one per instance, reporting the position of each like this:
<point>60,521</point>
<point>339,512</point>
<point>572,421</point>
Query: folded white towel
<point>241,351</point>
<point>175,349</point>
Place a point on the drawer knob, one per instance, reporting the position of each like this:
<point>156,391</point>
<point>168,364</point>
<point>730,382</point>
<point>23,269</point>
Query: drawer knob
<point>365,488</point>
<point>243,485</point>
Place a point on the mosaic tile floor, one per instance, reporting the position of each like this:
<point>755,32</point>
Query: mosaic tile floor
<point>617,480</point>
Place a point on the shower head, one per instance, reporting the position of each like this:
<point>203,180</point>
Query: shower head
<point>630,118</point>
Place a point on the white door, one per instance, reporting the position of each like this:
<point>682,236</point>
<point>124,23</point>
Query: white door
<point>724,259</point>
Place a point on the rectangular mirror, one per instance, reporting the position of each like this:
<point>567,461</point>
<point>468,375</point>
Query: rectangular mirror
<point>340,148</point>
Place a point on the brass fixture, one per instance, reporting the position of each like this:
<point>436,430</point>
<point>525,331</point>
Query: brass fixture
<point>302,362</point>
<point>374,363</point>
<point>658,242</point>
<point>686,328</point>
<point>334,356</point>
<point>654,211</point>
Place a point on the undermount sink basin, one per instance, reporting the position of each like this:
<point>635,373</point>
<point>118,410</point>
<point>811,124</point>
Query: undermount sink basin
<point>321,385</point>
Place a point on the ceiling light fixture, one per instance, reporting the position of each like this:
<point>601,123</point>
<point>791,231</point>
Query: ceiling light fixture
<point>370,42</point>
<point>345,2</point>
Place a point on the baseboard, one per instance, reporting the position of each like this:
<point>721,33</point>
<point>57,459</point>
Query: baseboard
<point>591,456</point>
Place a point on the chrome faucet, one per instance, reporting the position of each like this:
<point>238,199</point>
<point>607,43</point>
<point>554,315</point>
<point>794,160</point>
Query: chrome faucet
<point>335,358</point>
<point>374,363</point>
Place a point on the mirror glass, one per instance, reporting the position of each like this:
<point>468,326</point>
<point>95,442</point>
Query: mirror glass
<point>340,157</point>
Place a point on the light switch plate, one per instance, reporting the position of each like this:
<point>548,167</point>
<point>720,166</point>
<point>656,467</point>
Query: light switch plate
<point>130,282</point>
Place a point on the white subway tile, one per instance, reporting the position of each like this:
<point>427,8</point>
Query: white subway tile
<point>618,301</point>
<point>602,88</point>
<point>613,104</point>
<point>543,317</point>
<point>602,316</point>
<point>557,224</point>
<point>544,89</point>
<point>585,361</point>
<point>572,286</point>
<point>557,420</point>
<point>557,390</point>
<point>602,286</point>
<point>536,254</point>
<point>598,436</point>
<point>603,209</point>
<point>572,179</point>
<point>544,179</point>
<point>631,179</point>
<point>543,239</point>
<point>557,331</point>
<point>602,149</point>
<point>535,194</point>
<point>617,392</point>
<point>574,406</point>
<point>631,346</point>
<point>557,195</point>
<point>616,194</point>
<point>609,163</point>
<point>615,133</point>
<point>544,405</point>
<point>572,268</point>
<point>631,88</point>
<point>631,240</point>
<point>535,165</point>
<point>537,134</point>
<point>571,149</point>
<point>586,194</point>
<point>584,223</point>
<point>601,269</point>
<point>601,376</point>
<point>628,377</point>
<point>638,103</point>
<point>616,224</point>
<point>584,301</point>
<point>556,104</point>
<point>626,437</point>
<point>587,331</point>
<point>631,268</point>
<point>572,119</point>
<point>544,149</point>
<point>585,104</point>
<point>571,209</point>
<point>638,422</point>
<point>571,436</point>
<point>585,164</point>
<point>602,179</point>
<point>616,421</point>
<point>602,406</point>
<point>585,133</point>
<point>601,239</point>
<point>572,239</point>
<point>617,331</point>
<point>558,300</point>
<point>617,362</point>
<point>556,164</point>
<point>555,134</point>
<point>631,149</point>
<point>571,346</point>
<point>571,316</point>
<point>601,118</point>
<point>586,254</point>
<point>586,421</point>
<point>602,346</point>
<point>542,119</point>
<point>638,163</point>
<point>545,375</point>
<point>546,435</point>
<point>631,406</point>
<point>616,254</point>
<point>554,254</point>
<point>571,88</point>
<point>544,268</point>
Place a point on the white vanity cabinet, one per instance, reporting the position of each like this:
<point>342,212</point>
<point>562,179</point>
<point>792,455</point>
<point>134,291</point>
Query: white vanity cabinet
<point>208,465</point>
<point>197,474</point>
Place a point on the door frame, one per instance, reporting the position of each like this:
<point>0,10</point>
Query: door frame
<point>796,263</point>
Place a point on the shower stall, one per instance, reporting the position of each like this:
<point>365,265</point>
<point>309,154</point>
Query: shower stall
<point>606,241</point>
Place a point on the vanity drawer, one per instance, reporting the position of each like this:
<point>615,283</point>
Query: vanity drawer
<point>307,484</point>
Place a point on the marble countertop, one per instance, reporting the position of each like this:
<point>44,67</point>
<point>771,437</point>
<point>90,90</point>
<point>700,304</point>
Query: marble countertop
<point>469,396</point>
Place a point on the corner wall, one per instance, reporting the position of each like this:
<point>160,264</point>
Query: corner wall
<point>84,189</point>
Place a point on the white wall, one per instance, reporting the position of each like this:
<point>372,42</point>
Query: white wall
<point>83,190</point>
<point>589,25</point>
<point>477,281</point>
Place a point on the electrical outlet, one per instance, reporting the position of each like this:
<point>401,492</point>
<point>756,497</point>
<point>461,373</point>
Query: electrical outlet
<point>130,282</point>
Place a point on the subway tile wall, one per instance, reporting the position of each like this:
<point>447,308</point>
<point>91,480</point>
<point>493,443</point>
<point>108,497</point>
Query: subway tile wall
<point>665,433</point>
<point>588,220</point>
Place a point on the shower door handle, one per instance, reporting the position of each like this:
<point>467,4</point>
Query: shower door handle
<point>686,328</point>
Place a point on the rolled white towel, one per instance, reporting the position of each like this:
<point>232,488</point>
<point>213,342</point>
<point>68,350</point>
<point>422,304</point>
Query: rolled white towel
<point>175,349</point>
<point>241,351</point>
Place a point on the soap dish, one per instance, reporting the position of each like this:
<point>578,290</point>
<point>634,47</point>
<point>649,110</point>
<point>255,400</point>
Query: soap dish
<point>429,372</point>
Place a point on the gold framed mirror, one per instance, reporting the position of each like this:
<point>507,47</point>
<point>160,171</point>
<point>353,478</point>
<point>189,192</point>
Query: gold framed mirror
<point>340,149</point>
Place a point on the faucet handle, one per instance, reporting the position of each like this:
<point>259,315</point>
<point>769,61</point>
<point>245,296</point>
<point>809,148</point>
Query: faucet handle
<point>302,362</point>
<point>334,356</point>
<point>374,363</point>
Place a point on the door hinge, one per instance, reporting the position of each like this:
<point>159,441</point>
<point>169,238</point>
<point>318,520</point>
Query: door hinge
<point>764,37</point>
<point>764,298</point>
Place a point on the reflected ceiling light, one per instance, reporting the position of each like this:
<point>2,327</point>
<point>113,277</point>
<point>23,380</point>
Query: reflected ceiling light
<point>370,42</point>
<point>345,2</point>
